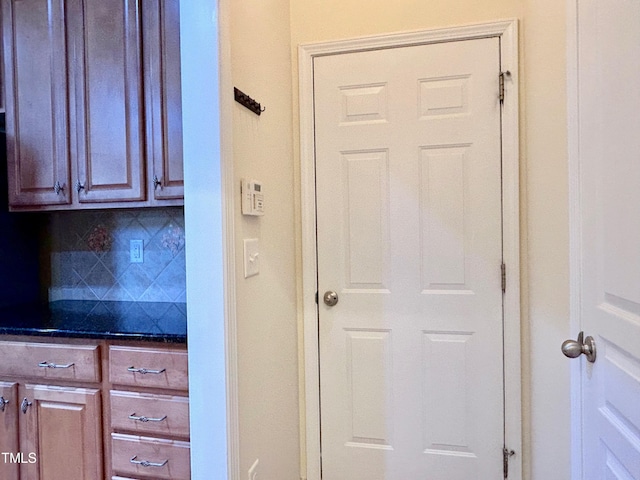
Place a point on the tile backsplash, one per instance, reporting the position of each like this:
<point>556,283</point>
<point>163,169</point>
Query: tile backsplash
<point>90,255</point>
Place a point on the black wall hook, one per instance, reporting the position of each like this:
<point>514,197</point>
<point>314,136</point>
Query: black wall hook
<point>246,101</point>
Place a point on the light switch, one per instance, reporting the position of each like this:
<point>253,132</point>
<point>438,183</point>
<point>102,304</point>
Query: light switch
<point>251,257</point>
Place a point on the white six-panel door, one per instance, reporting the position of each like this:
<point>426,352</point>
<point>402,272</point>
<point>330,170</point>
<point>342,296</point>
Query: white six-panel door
<point>409,236</point>
<point>606,234</point>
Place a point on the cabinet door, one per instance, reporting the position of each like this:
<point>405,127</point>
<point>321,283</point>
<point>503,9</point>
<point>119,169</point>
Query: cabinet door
<point>108,103</point>
<point>11,454</point>
<point>62,427</point>
<point>35,65</point>
<point>161,29</point>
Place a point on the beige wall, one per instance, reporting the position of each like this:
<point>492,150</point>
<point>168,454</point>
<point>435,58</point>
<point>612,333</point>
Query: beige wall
<point>544,184</point>
<point>264,39</point>
<point>266,315</point>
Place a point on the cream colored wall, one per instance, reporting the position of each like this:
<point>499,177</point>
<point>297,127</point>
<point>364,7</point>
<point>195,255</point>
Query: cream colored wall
<point>544,185</point>
<point>265,307</point>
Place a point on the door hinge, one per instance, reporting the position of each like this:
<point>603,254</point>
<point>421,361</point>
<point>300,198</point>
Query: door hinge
<point>316,298</point>
<point>501,84</point>
<point>506,454</point>
<point>503,272</point>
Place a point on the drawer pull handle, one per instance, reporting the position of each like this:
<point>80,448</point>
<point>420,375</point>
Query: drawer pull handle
<point>54,365</point>
<point>144,419</point>
<point>3,402</point>
<point>144,371</point>
<point>146,463</point>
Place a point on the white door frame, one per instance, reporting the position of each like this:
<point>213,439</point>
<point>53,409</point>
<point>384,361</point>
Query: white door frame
<point>575,241</point>
<point>507,31</point>
<point>210,268</point>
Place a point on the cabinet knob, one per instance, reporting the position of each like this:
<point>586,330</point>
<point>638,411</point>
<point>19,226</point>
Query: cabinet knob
<point>79,186</point>
<point>156,182</point>
<point>58,188</point>
<point>25,405</point>
<point>3,402</point>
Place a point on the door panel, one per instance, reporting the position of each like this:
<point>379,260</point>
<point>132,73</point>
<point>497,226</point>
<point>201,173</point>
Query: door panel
<point>108,101</point>
<point>609,230</point>
<point>61,426</point>
<point>161,27</point>
<point>9,470</point>
<point>408,171</point>
<point>36,90</point>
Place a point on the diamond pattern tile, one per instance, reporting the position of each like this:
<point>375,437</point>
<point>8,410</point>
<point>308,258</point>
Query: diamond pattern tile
<point>90,255</point>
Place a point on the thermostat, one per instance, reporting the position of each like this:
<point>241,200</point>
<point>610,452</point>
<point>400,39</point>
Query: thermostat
<point>252,197</point>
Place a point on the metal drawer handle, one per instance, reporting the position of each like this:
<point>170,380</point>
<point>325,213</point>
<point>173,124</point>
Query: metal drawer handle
<point>146,463</point>
<point>144,419</point>
<point>145,370</point>
<point>25,405</point>
<point>3,402</point>
<point>54,365</point>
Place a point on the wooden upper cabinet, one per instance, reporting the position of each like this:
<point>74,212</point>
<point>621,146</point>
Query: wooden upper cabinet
<point>108,113</point>
<point>93,103</point>
<point>36,90</point>
<point>161,27</point>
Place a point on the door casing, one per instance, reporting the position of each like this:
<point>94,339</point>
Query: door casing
<point>507,31</point>
<point>575,253</point>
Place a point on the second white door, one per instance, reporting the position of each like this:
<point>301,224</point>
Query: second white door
<point>409,232</point>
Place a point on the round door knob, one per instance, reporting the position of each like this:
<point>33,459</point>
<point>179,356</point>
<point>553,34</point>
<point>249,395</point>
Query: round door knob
<point>571,348</point>
<point>575,348</point>
<point>330,298</point>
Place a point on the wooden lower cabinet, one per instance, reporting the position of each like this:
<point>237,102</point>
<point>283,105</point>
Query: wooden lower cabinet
<point>50,432</point>
<point>9,440</point>
<point>144,457</point>
<point>149,413</point>
<point>65,416</point>
<point>60,434</point>
<point>51,409</point>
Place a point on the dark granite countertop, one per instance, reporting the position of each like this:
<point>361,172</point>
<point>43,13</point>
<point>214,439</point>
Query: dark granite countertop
<point>149,321</point>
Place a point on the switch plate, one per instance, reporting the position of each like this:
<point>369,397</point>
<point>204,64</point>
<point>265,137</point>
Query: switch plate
<point>251,257</point>
<point>136,251</point>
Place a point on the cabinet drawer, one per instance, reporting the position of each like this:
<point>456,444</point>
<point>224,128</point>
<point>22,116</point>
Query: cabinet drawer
<point>44,360</point>
<point>148,367</point>
<point>163,459</point>
<point>154,414</point>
